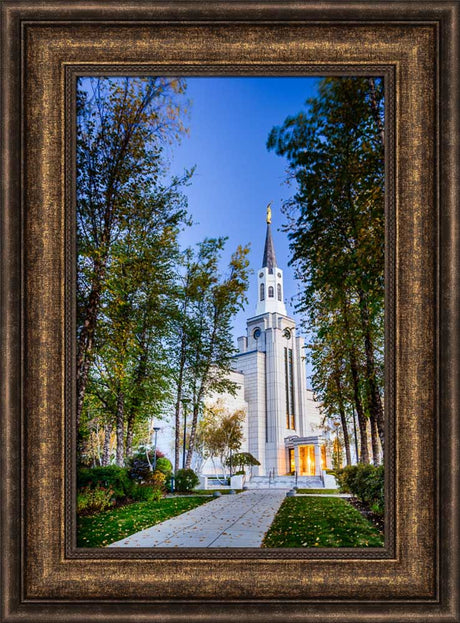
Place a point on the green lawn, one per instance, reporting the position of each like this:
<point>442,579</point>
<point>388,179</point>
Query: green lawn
<point>320,522</point>
<point>318,491</point>
<point>112,525</point>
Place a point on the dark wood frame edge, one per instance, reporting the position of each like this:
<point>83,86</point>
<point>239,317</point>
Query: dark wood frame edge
<point>447,607</point>
<point>71,551</point>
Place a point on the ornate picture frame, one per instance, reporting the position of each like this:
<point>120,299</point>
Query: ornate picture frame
<point>415,47</point>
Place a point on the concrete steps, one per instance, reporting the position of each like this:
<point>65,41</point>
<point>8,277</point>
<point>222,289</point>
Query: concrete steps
<point>285,482</point>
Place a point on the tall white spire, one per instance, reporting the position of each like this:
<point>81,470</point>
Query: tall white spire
<point>270,287</point>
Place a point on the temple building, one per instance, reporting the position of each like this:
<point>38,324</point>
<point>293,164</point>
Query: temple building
<point>282,427</point>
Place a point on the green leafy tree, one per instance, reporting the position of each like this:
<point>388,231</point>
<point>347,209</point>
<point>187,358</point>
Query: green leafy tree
<point>220,433</point>
<point>202,342</point>
<point>130,356</point>
<point>123,125</point>
<point>240,460</point>
<point>212,348</point>
<point>196,272</point>
<point>336,230</point>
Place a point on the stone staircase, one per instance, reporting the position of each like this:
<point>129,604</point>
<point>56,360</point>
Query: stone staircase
<point>285,482</point>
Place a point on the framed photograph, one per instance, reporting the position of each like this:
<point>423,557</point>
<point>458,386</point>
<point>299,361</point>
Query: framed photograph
<point>229,303</point>
<point>169,410</point>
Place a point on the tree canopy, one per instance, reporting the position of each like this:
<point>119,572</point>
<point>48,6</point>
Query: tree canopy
<point>153,320</point>
<point>220,433</point>
<point>335,154</point>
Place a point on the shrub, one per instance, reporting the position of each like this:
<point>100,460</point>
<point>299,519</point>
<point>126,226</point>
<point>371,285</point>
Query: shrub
<point>366,482</point>
<point>142,493</point>
<point>93,500</point>
<point>157,495</point>
<point>158,481</point>
<point>164,465</point>
<point>110,476</point>
<point>186,480</point>
<point>139,467</point>
<point>241,460</point>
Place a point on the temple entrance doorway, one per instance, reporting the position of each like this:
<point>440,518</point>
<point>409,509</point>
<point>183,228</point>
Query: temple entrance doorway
<point>307,460</point>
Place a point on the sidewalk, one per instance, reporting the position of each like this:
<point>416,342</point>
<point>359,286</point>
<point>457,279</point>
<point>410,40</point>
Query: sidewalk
<point>229,521</point>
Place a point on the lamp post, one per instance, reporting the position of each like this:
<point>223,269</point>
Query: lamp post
<point>185,402</point>
<point>155,430</point>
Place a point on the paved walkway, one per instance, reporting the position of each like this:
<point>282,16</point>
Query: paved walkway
<point>229,521</point>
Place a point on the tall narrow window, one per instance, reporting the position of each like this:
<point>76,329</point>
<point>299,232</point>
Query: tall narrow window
<point>271,292</point>
<point>262,291</point>
<point>291,389</point>
<point>286,382</point>
<point>289,384</point>
<point>278,287</point>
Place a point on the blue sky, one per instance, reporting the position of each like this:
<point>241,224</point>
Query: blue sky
<point>236,177</point>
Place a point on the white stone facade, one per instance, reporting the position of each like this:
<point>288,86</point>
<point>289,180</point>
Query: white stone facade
<point>279,405</point>
<point>283,430</point>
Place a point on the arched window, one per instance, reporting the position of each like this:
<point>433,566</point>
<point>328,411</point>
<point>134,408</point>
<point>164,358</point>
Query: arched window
<point>262,291</point>
<point>271,292</point>
<point>278,287</point>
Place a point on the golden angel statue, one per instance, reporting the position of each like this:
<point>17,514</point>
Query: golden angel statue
<point>269,213</point>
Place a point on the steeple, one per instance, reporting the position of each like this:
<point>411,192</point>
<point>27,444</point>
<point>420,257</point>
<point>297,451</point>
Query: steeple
<point>269,260</point>
<point>270,281</point>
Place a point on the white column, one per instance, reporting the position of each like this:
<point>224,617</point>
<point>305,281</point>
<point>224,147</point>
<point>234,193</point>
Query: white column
<point>297,459</point>
<point>317,460</point>
<point>301,425</point>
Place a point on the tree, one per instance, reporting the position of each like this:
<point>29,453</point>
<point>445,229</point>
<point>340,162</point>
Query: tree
<point>122,127</point>
<point>197,271</point>
<point>129,357</point>
<point>201,340</point>
<point>220,433</point>
<point>336,232</point>
<point>338,365</point>
<point>212,345</point>
<point>240,460</point>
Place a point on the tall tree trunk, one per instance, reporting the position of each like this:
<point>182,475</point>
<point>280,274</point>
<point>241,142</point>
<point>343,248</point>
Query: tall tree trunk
<point>139,378</point>
<point>343,419</point>
<point>204,376</point>
<point>362,420</point>
<point>177,412</point>
<point>374,441</point>
<point>375,402</point>
<point>193,426</point>
<point>86,336</point>
<point>98,461</point>
<point>106,450</point>
<point>120,419</point>
<point>129,436</point>
<point>177,430</point>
